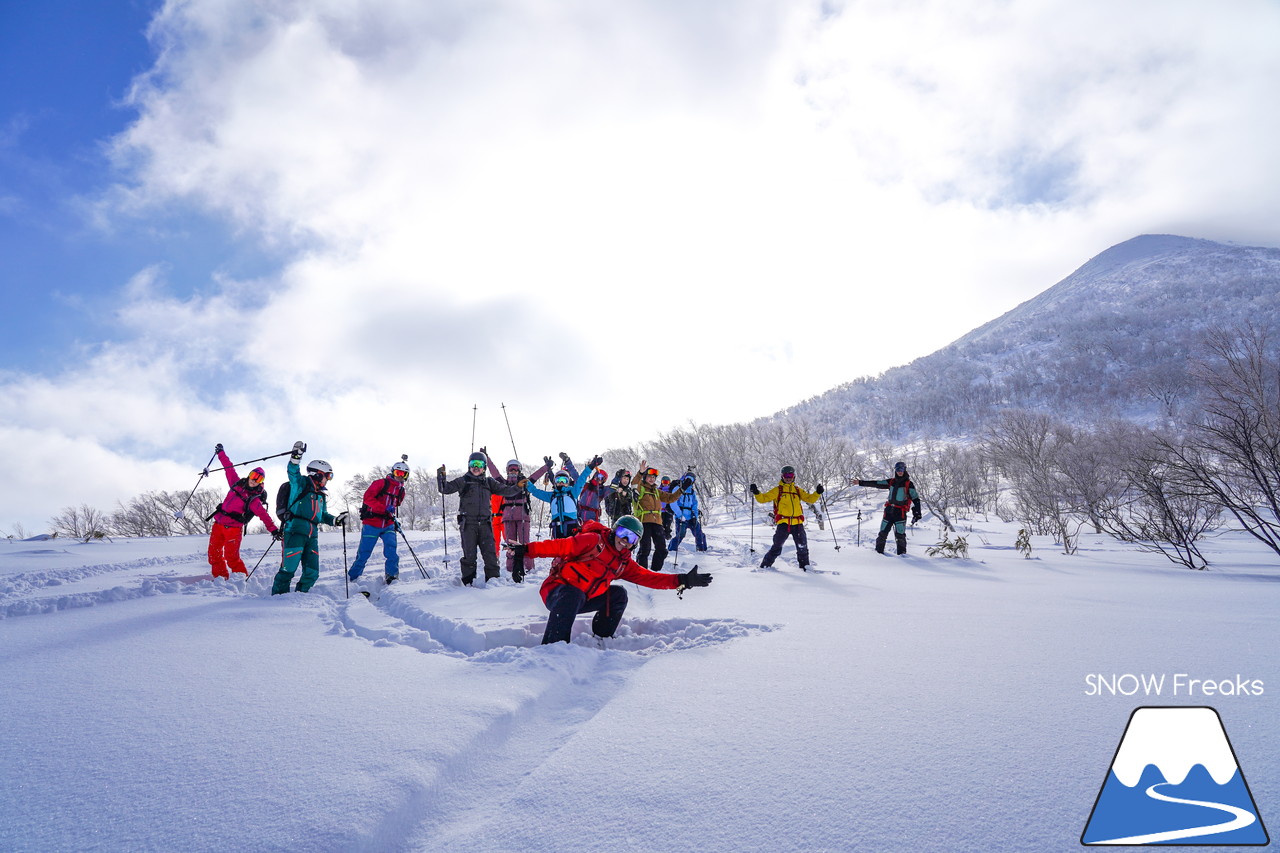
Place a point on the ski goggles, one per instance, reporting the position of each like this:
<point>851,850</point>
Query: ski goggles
<point>562,480</point>
<point>321,475</point>
<point>477,465</point>
<point>400,474</point>
<point>788,476</point>
<point>649,472</point>
<point>256,476</point>
<point>629,537</point>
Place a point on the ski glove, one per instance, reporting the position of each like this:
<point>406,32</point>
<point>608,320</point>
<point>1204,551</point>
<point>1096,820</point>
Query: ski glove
<point>915,516</point>
<point>398,529</point>
<point>596,461</point>
<point>550,464</point>
<point>693,578</point>
<point>817,490</point>
<point>564,457</point>
<point>686,483</point>
<point>755,490</point>
<point>341,520</point>
<point>522,481</point>
<point>277,535</point>
<point>218,447</point>
<point>517,550</point>
<point>299,448</point>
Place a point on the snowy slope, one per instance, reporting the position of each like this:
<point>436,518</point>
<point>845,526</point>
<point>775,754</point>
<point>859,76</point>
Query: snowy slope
<point>884,704</point>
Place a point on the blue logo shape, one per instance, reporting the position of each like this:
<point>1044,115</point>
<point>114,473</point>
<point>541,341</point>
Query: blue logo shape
<point>1175,780</point>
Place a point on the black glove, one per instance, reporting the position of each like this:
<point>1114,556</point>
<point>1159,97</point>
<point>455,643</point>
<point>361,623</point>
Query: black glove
<point>218,448</point>
<point>341,520</point>
<point>915,516</point>
<point>517,550</point>
<point>398,530</point>
<point>596,461</point>
<point>817,490</point>
<point>755,490</point>
<point>441,472</point>
<point>564,457</point>
<point>692,578</point>
<point>686,483</point>
<point>550,464</point>
<point>485,451</point>
<point>522,481</point>
<point>277,535</point>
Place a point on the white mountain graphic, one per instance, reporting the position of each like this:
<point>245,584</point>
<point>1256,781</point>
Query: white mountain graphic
<point>1174,740</point>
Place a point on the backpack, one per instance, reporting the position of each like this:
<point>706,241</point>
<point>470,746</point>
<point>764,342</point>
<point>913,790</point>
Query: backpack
<point>282,503</point>
<point>366,513</point>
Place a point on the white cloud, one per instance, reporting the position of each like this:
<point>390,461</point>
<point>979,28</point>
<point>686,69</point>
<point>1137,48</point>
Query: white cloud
<point>615,218</point>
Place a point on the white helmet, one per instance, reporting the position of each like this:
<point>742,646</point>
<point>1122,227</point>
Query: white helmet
<point>514,463</point>
<point>319,466</point>
<point>400,470</point>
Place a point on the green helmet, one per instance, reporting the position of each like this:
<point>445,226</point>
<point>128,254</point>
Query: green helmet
<point>631,523</point>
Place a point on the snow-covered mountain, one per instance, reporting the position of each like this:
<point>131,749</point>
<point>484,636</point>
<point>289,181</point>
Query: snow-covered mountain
<point>1113,338</point>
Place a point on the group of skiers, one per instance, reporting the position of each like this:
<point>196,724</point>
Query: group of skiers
<point>587,555</point>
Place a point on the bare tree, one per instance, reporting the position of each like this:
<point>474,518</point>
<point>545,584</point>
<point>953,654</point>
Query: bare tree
<point>1232,452</point>
<point>79,522</point>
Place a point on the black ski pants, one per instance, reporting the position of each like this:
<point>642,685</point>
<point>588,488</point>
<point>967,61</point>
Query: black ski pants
<point>894,517</point>
<point>656,538</point>
<point>477,533</point>
<point>566,602</point>
<point>796,532</point>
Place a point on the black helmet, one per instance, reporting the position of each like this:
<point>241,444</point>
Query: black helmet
<point>899,467</point>
<point>788,470</point>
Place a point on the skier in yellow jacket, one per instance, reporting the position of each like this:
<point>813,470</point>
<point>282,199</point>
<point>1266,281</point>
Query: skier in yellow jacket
<point>788,515</point>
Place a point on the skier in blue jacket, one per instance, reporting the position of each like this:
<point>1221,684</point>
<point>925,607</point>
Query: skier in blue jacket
<point>688,516</point>
<point>563,498</point>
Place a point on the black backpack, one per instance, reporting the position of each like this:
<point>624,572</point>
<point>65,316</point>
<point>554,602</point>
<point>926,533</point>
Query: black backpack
<point>282,503</point>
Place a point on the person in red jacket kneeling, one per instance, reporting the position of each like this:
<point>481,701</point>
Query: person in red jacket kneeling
<point>580,580</point>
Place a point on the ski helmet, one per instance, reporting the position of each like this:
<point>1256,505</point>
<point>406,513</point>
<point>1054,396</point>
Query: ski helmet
<point>632,525</point>
<point>622,472</point>
<point>256,476</point>
<point>562,475</point>
<point>899,467</point>
<point>319,468</point>
<point>400,471</point>
<point>788,471</point>
<point>600,476</point>
<point>514,463</point>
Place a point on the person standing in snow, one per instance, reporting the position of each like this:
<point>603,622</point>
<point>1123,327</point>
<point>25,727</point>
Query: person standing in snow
<point>688,516</point>
<point>563,497</point>
<point>592,490</point>
<point>668,515</point>
<point>582,576</point>
<point>378,513</point>
<point>649,504</point>
<point>516,515</point>
<point>618,501</point>
<point>903,498</point>
<point>788,514</point>
<point>308,509</point>
<point>243,502</point>
<point>474,490</point>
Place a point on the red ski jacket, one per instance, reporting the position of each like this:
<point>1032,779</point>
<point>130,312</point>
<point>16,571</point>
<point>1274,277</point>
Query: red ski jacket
<point>590,563</point>
<point>381,500</point>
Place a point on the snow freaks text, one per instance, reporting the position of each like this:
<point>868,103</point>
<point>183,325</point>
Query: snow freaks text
<point>1179,684</point>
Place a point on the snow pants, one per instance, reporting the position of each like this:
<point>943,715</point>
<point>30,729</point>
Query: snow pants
<point>517,531</point>
<point>300,548</point>
<point>895,517</point>
<point>653,537</point>
<point>683,526</point>
<point>369,536</point>
<point>566,602</point>
<point>796,532</point>
<point>224,550</point>
<point>477,534</point>
<point>563,528</point>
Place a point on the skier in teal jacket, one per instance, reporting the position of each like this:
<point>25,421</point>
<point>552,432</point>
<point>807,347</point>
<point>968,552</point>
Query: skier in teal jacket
<point>307,505</point>
<point>903,498</point>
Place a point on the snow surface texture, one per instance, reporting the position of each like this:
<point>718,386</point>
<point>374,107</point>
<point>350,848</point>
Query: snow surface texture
<point>886,704</point>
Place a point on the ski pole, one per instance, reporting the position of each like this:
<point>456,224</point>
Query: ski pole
<point>346,577</point>
<point>827,512</point>
<point>474,408</point>
<point>205,473</point>
<point>859,527</point>
<point>260,559</point>
<point>444,532</point>
<point>509,434</point>
<point>249,462</point>
<point>410,547</point>
<point>753,523</point>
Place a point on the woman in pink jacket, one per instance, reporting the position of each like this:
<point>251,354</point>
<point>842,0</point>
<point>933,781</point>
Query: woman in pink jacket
<point>242,503</point>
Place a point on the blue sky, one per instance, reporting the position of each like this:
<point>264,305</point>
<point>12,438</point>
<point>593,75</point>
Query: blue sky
<point>350,221</point>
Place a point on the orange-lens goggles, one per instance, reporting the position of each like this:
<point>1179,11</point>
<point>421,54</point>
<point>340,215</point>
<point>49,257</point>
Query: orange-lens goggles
<point>400,474</point>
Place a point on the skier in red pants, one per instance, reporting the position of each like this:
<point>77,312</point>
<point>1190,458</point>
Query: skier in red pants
<point>242,503</point>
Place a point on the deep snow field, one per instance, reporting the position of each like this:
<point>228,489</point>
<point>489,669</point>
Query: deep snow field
<point>882,704</point>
